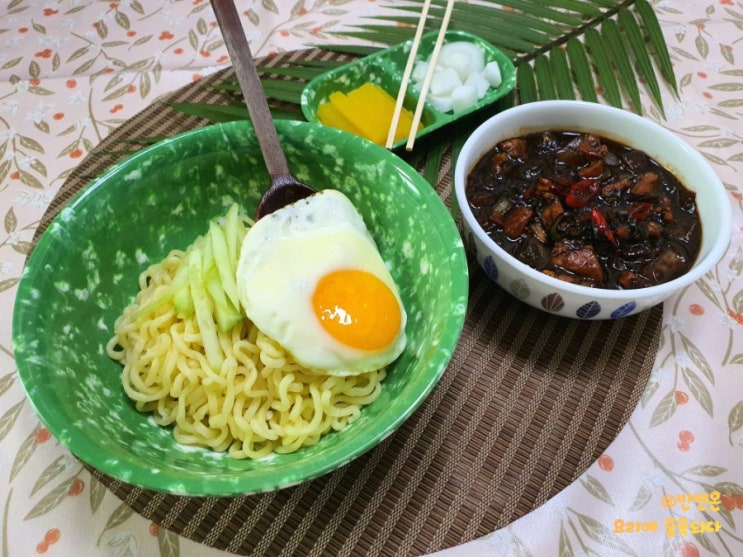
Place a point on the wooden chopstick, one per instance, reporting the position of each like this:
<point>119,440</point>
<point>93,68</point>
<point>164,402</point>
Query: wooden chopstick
<point>406,74</point>
<point>429,75</point>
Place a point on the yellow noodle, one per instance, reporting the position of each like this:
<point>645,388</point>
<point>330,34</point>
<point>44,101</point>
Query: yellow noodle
<point>259,402</point>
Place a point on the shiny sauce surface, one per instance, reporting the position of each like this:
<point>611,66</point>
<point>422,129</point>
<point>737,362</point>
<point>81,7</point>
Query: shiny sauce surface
<point>586,209</point>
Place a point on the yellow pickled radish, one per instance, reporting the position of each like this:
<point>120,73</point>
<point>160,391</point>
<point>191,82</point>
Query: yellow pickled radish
<point>384,106</point>
<point>366,111</point>
<point>358,115</point>
<point>329,115</point>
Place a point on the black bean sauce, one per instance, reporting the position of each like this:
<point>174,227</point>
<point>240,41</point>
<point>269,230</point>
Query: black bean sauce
<point>586,210</point>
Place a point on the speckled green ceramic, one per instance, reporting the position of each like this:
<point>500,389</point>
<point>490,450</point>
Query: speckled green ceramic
<point>385,69</point>
<point>84,271</point>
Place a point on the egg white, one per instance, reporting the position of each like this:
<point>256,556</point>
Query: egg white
<point>283,257</point>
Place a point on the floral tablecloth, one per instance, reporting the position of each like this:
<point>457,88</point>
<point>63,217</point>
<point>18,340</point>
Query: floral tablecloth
<point>672,482</point>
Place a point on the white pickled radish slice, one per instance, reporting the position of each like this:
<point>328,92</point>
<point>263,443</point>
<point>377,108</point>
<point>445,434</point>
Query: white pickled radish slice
<point>442,104</point>
<point>444,82</point>
<point>419,71</point>
<point>458,62</point>
<point>479,82</point>
<point>459,76</point>
<point>491,73</point>
<point>465,56</point>
<point>463,97</point>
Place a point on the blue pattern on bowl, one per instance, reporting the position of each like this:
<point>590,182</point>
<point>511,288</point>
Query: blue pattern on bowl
<point>588,310</point>
<point>491,269</point>
<point>624,310</point>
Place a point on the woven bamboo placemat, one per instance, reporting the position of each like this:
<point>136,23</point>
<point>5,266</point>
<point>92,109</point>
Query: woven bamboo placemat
<point>527,403</point>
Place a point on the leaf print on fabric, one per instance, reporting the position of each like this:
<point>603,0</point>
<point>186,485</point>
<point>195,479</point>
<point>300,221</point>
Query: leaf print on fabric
<point>564,548</point>
<point>10,221</point>
<point>735,420</point>
<point>253,17</point>
<point>11,415</point>
<point>53,470</point>
<point>708,291</point>
<point>702,46</point>
<point>168,543</point>
<point>601,534</point>
<point>97,494</point>
<point>707,470</point>
<point>6,381</point>
<point>123,545</point>
<point>25,451</point>
<point>7,284</point>
<point>648,393</point>
<point>736,263</point>
<point>30,180</point>
<point>596,488</point>
<point>120,515</point>
<point>699,390</point>
<point>122,20</point>
<point>665,409</point>
<point>706,543</point>
<point>738,302</point>
<point>51,500</point>
<point>644,494</point>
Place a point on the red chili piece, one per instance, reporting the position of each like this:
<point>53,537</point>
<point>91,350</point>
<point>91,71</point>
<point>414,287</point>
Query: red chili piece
<point>600,221</point>
<point>582,192</point>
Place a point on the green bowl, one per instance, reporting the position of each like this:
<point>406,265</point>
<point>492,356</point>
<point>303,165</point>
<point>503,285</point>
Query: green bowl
<point>84,269</point>
<point>385,69</point>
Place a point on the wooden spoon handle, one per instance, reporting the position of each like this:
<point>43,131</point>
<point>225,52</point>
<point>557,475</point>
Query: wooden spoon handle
<point>247,75</point>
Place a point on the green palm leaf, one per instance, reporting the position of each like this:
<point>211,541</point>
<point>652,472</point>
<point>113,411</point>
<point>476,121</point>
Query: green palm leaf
<point>607,79</point>
<point>561,72</point>
<point>581,70</point>
<point>568,49</point>
<point>619,43</point>
<point>574,47</point>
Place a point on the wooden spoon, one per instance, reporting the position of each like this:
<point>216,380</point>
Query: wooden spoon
<point>284,188</point>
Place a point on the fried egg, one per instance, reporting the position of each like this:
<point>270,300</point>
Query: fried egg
<point>310,276</point>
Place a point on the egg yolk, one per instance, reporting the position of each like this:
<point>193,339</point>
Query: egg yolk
<point>357,309</point>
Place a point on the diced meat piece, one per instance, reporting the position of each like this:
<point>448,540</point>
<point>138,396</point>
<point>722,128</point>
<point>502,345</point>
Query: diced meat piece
<point>538,231</point>
<point>635,161</point>
<point>593,170</point>
<point>646,186</point>
<point>515,148</point>
<point>498,214</point>
<point>516,220</point>
<point>543,185</point>
<point>666,210</point>
<point>590,146</point>
<point>532,252</point>
<point>622,232</point>
<point>629,280</point>
<point>569,157</point>
<point>481,200</point>
<point>650,230</point>
<point>667,266</point>
<point>615,187</point>
<point>640,211</point>
<point>499,163</point>
<point>552,212</point>
<point>578,258</point>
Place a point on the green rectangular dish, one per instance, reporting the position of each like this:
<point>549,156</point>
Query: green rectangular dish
<point>385,69</point>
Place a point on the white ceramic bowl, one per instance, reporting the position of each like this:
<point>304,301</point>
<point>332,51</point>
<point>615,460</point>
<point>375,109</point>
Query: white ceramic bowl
<point>569,300</point>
